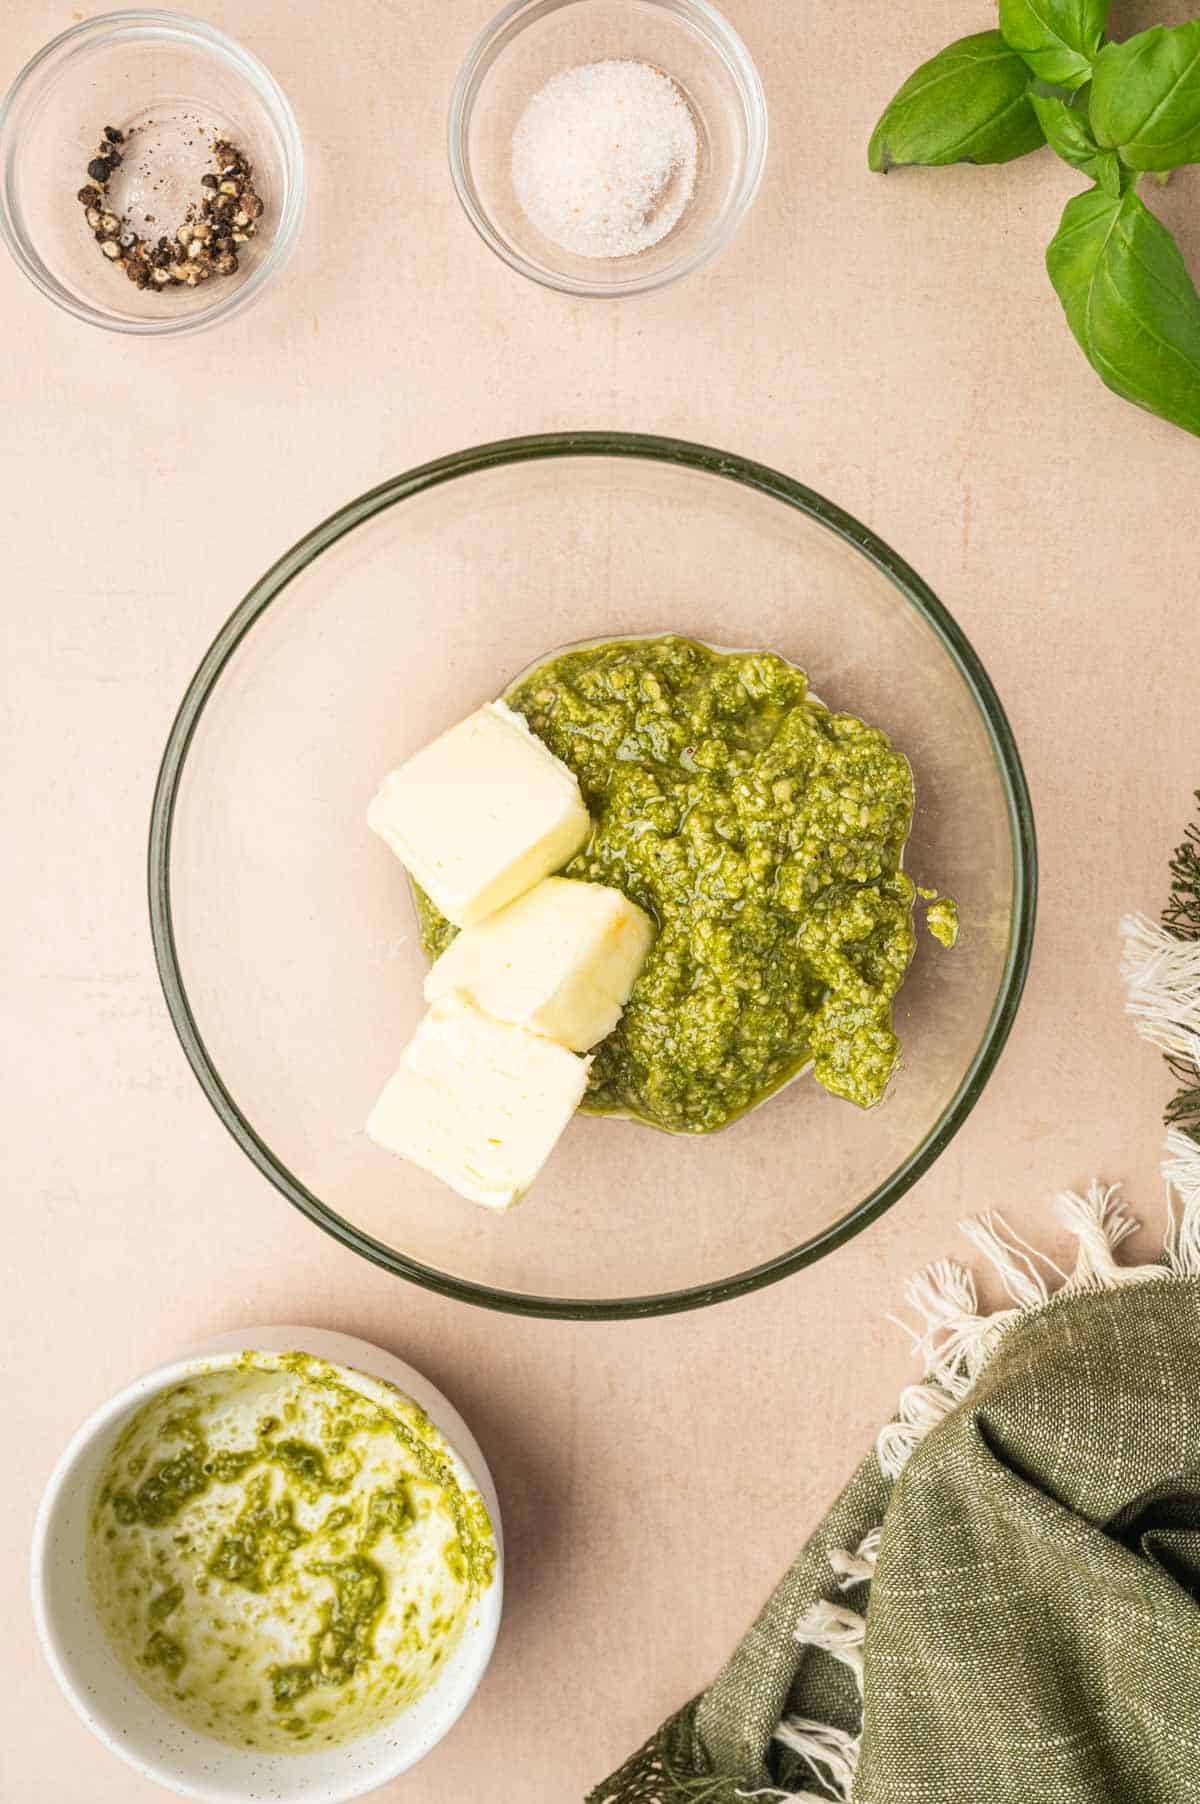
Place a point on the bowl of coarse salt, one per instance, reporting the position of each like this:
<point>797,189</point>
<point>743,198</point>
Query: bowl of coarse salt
<point>607,147</point>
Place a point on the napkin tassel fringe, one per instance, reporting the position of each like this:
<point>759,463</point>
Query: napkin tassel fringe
<point>1181,1170</point>
<point>834,1629</point>
<point>1162,981</point>
<point>955,1339</point>
<point>856,1568</point>
<point>831,1753</point>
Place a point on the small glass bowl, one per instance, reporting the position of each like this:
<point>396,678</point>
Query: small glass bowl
<point>171,84</point>
<point>530,41</point>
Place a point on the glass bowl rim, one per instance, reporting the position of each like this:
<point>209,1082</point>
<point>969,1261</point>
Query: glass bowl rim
<point>185,28</point>
<point>653,449</point>
<point>491,42</point>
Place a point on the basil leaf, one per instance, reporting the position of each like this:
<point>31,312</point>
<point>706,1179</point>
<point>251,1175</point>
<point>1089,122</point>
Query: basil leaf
<point>1057,38</point>
<point>1070,136</point>
<point>968,104</point>
<point>1130,302</point>
<point>1146,97</point>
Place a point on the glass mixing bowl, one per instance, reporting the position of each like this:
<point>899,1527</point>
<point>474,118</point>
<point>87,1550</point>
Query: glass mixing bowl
<point>284,931</point>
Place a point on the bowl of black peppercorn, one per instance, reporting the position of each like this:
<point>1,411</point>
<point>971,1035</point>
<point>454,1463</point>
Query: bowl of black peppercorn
<point>153,174</point>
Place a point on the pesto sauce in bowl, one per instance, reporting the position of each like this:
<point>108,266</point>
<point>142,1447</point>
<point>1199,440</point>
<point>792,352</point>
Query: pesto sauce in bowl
<point>280,1559</point>
<point>765,836</point>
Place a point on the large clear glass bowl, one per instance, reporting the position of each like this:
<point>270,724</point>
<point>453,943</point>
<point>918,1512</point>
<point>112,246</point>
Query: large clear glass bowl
<point>283,928</point>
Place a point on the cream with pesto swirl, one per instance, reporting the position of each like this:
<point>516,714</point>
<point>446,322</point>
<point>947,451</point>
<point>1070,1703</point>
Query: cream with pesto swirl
<point>282,1560</point>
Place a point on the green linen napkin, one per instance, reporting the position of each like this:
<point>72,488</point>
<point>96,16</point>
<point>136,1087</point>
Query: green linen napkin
<point>1003,1606</point>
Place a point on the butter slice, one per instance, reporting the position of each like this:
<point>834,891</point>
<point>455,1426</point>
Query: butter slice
<point>481,815</point>
<point>560,961</point>
<point>479,1103</point>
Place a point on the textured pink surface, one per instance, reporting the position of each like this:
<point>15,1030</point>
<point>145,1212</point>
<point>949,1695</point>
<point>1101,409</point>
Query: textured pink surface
<point>893,343</point>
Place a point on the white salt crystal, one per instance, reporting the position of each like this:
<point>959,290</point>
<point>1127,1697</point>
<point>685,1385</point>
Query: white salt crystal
<point>604,158</point>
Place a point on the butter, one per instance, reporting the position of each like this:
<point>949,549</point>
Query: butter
<point>481,814</point>
<point>560,961</point>
<point>479,1103</point>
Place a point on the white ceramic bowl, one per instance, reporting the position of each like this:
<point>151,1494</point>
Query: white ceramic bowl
<point>127,1719</point>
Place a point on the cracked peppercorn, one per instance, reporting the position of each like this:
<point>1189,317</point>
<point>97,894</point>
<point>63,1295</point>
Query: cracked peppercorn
<point>201,246</point>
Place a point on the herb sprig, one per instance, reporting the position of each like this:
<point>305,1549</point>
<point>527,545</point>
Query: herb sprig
<point>1181,917</point>
<point>1114,111</point>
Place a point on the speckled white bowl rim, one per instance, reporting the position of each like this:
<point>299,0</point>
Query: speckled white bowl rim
<point>140,1731</point>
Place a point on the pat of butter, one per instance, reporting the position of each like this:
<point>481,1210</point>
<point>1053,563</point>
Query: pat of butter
<point>560,960</point>
<point>478,1103</point>
<point>481,815</point>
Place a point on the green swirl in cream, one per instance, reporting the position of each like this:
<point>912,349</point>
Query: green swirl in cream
<point>282,1560</point>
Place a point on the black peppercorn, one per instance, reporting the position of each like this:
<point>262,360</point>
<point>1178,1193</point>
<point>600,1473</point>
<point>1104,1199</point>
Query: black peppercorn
<point>202,246</point>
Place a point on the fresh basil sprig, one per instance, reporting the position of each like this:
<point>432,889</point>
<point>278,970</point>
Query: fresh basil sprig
<point>1111,111</point>
<point>968,104</point>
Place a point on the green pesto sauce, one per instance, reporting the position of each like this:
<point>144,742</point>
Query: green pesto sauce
<point>941,918</point>
<point>764,834</point>
<point>279,1558</point>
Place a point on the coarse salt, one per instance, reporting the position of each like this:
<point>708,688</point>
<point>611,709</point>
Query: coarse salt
<point>604,158</point>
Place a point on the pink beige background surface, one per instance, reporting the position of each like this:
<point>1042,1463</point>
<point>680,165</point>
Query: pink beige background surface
<point>894,344</point>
